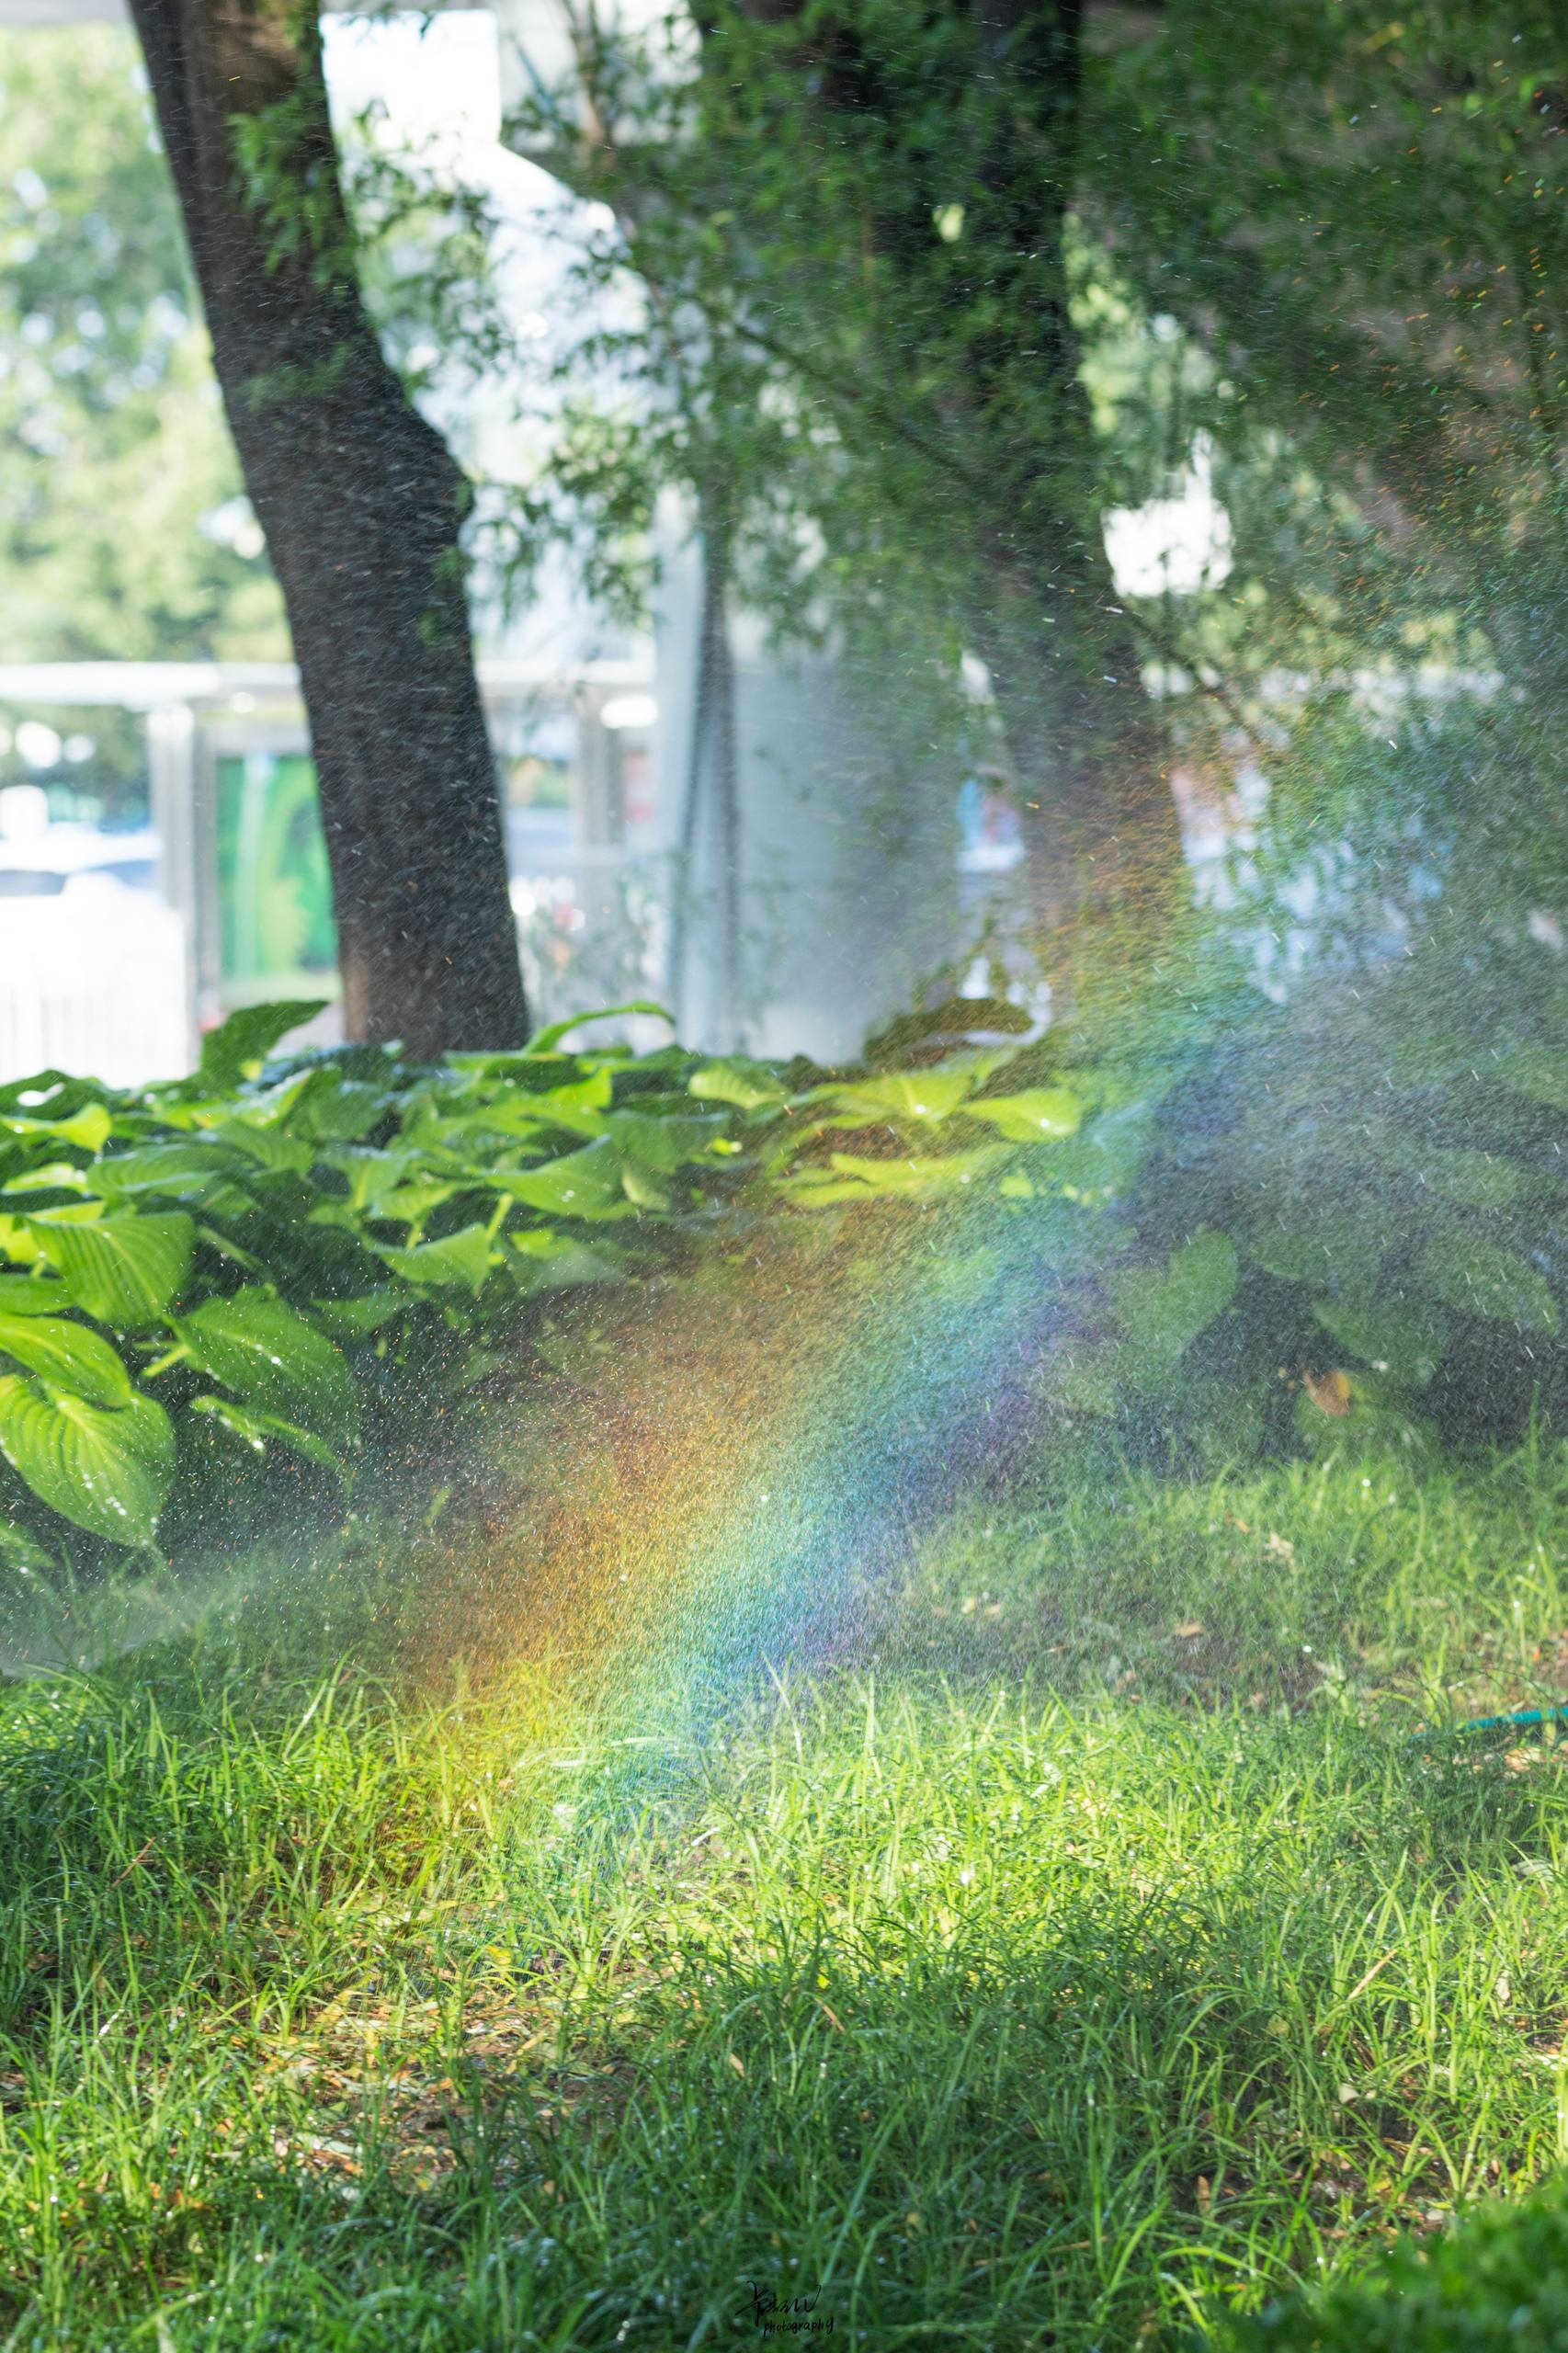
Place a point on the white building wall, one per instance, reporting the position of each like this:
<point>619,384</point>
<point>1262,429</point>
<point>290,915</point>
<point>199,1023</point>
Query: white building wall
<point>846,875</point>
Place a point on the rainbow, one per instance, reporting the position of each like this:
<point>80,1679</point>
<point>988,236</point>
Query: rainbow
<point>737,1486</point>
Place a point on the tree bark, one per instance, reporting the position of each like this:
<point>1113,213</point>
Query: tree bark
<point>362,506</point>
<point>1101,829</point>
<point>1100,824</point>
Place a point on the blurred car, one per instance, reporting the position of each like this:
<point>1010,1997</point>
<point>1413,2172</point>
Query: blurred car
<point>78,860</point>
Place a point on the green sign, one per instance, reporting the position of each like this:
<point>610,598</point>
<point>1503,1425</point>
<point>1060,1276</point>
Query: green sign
<point>274,890</point>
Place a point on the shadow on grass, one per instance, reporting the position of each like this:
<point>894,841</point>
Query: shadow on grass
<point>334,2018</point>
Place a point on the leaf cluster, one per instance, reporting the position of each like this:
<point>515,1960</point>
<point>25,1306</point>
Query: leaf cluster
<point>300,1259</point>
<point>1497,2277</point>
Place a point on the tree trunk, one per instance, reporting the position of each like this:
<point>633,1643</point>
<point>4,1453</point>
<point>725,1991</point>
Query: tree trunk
<point>1012,432</point>
<point>1100,826</point>
<point>362,506</point>
<point>1104,864</point>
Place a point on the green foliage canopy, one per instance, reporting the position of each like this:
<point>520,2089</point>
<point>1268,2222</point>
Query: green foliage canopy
<point>123,530</point>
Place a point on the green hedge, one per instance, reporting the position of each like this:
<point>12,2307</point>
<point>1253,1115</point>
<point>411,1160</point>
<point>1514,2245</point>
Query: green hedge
<point>1497,2282</point>
<point>265,1257</point>
<point>269,1263</point>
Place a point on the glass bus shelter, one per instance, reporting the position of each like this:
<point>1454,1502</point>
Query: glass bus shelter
<point>121,942</point>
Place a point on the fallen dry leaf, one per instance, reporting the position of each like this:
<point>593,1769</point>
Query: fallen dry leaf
<point>1330,1392</point>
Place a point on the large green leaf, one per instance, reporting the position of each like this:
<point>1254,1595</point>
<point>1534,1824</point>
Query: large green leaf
<point>1479,1179</point>
<point>1538,1070</point>
<point>263,1141</point>
<point>1040,1115</point>
<point>18,1242</point>
<point>1337,1247</point>
<point>20,1548</point>
<point>1404,1336</point>
<point>1163,1309</point>
<point>412,1204</point>
<point>33,1295</point>
<point>546,1261</point>
<point>1479,1275</point>
<point>576,1106</point>
<point>108,1469</point>
<point>643,1186</point>
<point>241,1044</point>
<point>923,1098</point>
<point>262,1106</point>
<point>549,1040</point>
<point>89,1128</point>
<point>67,1355</point>
<point>664,1144</point>
<point>370,1176</point>
<point>853,1178</point>
<point>579,1106</point>
<point>125,1270</point>
<point>352,1318</point>
<point>750,1087</point>
<point>180,1170</point>
<point>256,1429</point>
<point>275,1361</point>
<point>338,1108</point>
<point>1102,1159</point>
<point>458,1261</point>
<point>584,1184</point>
<point>49,1176</point>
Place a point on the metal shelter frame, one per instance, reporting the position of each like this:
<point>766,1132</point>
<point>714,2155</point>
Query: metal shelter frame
<point>198,713</point>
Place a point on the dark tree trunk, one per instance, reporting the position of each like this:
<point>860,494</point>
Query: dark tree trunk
<point>362,505</point>
<point>1101,828</point>
<point>1100,823</point>
<point>1090,763</point>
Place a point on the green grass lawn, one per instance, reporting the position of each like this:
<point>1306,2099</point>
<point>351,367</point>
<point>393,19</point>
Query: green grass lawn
<point>1093,1951</point>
